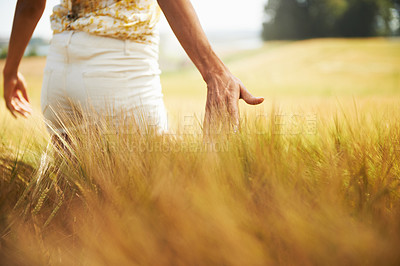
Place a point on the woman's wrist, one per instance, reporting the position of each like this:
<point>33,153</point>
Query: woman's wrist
<point>214,70</point>
<point>10,72</point>
<point>9,75</point>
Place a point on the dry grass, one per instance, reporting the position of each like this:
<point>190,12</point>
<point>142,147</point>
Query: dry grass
<point>311,181</point>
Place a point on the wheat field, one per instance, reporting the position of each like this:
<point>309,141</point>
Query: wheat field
<point>312,178</point>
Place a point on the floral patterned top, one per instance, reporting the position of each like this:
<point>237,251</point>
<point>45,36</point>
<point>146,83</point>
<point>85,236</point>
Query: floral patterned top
<point>123,19</point>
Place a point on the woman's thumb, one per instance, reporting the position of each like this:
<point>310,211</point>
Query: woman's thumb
<point>248,98</point>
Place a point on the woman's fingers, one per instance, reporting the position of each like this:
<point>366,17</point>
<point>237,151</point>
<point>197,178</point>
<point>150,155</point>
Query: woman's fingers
<point>22,87</point>
<point>221,114</point>
<point>233,111</point>
<point>212,114</point>
<point>16,104</point>
<point>11,109</point>
<point>207,122</point>
<point>19,107</point>
<point>248,98</point>
<point>24,103</point>
<point>16,97</point>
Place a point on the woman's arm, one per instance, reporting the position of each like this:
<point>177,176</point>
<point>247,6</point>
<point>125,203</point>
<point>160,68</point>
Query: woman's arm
<point>27,15</point>
<point>223,89</point>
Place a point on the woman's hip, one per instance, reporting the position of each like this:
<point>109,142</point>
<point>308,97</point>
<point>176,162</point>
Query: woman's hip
<point>113,74</point>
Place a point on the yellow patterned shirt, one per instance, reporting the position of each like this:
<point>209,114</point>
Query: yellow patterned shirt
<point>123,19</point>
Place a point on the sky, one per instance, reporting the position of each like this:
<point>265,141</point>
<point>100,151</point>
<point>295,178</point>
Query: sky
<point>214,15</point>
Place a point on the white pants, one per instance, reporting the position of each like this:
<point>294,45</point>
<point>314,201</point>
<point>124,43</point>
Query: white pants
<point>102,76</point>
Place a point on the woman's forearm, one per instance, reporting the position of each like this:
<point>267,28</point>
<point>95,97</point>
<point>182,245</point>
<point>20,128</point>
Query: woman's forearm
<point>186,26</point>
<point>27,15</point>
<point>223,89</point>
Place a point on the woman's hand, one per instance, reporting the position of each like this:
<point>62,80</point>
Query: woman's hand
<point>224,90</point>
<point>222,108</point>
<point>15,95</point>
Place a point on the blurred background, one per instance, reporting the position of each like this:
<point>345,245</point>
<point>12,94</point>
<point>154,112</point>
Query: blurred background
<point>301,52</point>
<point>232,25</point>
<point>301,19</point>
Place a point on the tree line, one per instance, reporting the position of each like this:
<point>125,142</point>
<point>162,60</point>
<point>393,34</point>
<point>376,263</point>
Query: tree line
<point>302,19</point>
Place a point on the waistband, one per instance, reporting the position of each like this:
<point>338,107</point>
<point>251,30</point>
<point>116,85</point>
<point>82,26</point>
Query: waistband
<point>86,39</point>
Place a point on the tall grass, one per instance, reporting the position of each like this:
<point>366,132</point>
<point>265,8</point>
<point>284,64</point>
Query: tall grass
<point>287,189</point>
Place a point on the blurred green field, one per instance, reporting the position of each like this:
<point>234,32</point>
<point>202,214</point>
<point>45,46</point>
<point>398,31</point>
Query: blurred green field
<point>308,69</point>
<point>312,178</point>
<point>300,74</point>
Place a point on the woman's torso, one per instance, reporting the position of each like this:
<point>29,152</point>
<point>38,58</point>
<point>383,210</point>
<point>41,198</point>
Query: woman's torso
<point>123,19</point>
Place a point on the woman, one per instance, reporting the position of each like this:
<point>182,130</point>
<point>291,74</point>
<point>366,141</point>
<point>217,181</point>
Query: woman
<point>104,55</point>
